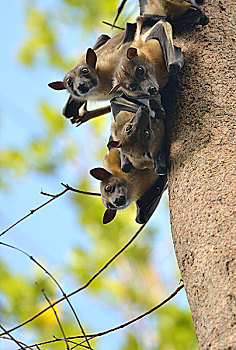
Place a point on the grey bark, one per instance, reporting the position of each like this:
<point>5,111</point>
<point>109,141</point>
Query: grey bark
<point>202,160</point>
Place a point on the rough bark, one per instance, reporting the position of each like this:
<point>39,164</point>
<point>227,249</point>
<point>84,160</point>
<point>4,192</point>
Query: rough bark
<point>201,140</point>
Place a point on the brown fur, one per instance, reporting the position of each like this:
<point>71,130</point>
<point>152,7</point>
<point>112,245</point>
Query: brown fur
<point>150,57</point>
<point>108,57</point>
<point>133,185</point>
<point>172,8</point>
<point>134,145</point>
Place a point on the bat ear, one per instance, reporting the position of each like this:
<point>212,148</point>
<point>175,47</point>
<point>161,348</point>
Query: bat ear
<point>132,52</point>
<point>108,216</point>
<point>91,58</point>
<point>114,89</point>
<point>100,174</point>
<point>114,144</point>
<point>57,85</point>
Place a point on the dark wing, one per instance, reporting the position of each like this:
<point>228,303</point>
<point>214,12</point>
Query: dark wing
<point>173,55</point>
<point>147,204</point>
<point>72,107</point>
<point>130,30</point>
<point>101,40</point>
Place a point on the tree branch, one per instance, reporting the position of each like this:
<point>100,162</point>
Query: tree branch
<point>55,281</point>
<point>57,318</point>
<point>85,285</point>
<point>123,325</point>
<point>20,344</point>
<point>53,197</point>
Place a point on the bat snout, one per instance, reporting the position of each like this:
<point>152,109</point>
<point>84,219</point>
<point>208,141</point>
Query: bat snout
<point>152,90</point>
<point>120,201</point>
<point>83,88</point>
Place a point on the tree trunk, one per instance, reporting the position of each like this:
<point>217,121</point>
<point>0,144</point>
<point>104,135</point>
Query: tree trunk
<point>201,138</point>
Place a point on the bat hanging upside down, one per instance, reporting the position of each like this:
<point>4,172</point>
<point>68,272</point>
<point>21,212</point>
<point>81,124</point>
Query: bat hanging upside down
<point>146,66</point>
<point>119,189</point>
<point>138,131</point>
<point>91,77</point>
<point>174,11</point>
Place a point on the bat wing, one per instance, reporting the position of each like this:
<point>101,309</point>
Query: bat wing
<point>101,40</point>
<point>72,107</point>
<point>147,204</point>
<point>174,59</point>
<point>130,30</point>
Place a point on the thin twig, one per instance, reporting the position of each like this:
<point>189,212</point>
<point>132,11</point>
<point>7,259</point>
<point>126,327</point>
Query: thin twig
<point>55,281</point>
<point>53,197</point>
<point>176,291</point>
<point>57,318</point>
<point>91,279</point>
<point>16,341</point>
<point>123,325</point>
<point>113,26</point>
<point>71,341</point>
<point>86,284</point>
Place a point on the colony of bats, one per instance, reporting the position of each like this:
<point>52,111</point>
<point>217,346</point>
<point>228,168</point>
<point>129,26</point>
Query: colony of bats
<point>130,70</point>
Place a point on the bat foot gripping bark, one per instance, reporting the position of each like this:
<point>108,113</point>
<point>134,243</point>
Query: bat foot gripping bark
<point>194,16</point>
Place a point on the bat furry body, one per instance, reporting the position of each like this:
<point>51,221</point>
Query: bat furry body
<point>138,131</point>
<point>91,77</point>
<point>179,11</point>
<point>167,8</point>
<point>147,64</point>
<point>119,189</point>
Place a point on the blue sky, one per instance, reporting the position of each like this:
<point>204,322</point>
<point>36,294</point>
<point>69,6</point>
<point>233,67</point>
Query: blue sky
<point>21,90</point>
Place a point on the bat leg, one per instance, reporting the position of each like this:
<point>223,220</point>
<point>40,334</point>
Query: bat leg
<point>126,165</point>
<point>156,106</point>
<point>84,115</point>
<point>174,58</point>
<point>160,164</point>
<point>192,16</point>
<point>72,107</point>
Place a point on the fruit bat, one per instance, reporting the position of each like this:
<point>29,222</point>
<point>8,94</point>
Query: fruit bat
<point>91,77</point>
<point>174,11</point>
<point>138,131</point>
<point>147,64</point>
<point>119,189</point>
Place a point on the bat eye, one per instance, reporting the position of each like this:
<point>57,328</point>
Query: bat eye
<point>85,71</point>
<point>139,71</point>
<point>132,87</point>
<point>128,128</point>
<point>147,134</point>
<point>69,81</point>
<point>109,188</point>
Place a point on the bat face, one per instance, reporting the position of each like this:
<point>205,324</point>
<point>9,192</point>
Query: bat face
<point>142,137</point>
<point>115,193</point>
<point>82,79</point>
<point>136,77</point>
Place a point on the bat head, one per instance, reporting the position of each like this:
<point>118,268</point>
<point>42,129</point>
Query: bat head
<point>135,76</point>
<point>142,140</point>
<point>80,81</point>
<point>114,192</point>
